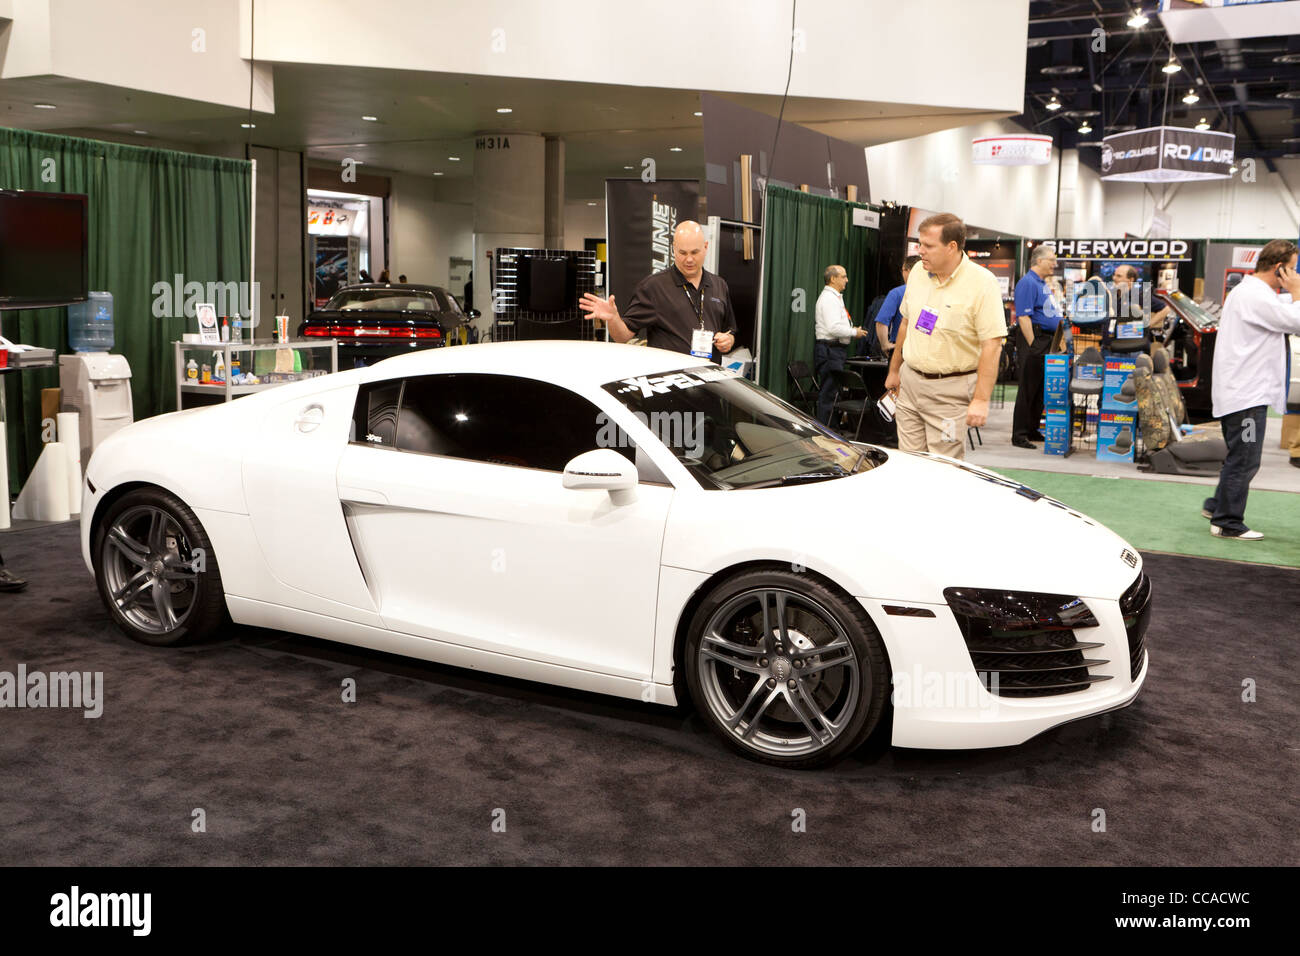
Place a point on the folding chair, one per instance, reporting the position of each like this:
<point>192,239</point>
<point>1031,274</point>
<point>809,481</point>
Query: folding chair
<point>849,385</point>
<point>805,386</point>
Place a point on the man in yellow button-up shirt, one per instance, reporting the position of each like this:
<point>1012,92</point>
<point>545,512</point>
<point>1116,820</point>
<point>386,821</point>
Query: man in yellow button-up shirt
<point>945,360</point>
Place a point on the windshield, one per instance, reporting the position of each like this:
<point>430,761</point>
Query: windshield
<point>384,300</point>
<point>729,433</point>
<point>1188,307</point>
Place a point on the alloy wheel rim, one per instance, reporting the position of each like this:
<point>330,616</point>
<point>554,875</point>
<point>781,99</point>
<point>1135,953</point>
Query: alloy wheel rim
<point>779,672</point>
<point>148,568</point>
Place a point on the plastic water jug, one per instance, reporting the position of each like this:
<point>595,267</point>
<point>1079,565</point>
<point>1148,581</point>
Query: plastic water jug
<point>90,323</point>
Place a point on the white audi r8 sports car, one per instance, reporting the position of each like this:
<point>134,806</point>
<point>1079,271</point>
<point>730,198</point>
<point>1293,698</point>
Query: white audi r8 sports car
<point>628,521</point>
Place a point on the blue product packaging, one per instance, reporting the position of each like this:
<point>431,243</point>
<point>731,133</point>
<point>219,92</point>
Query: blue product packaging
<point>1057,432</point>
<point>1118,392</point>
<point>1056,383</point>
<point>1116,433</point>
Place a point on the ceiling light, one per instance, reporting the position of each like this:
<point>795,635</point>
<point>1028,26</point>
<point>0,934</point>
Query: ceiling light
<point>1289,95</point>
<point>591,204</point>
<point>1054,104</point>
<point>371,119</point>
<point>1233,170</point>
<point>504,109</point>
<point>1191,97</point>
<point>1138,20</point>
<point>699,113</point>
<point>1202,124</point>
<point>454,159</point>
<point>1173,66</point>
<point>248,126</point>
<point>437,174</point>
<point>1287,58</point>
<point>1034,42</point>
<point>674,149</point>
<point>139,132</point>
<point>1292,139</point>
<point>44,106</point>
<point>627,167</point>
<point>1062,70</point>
<point>1085,129</point>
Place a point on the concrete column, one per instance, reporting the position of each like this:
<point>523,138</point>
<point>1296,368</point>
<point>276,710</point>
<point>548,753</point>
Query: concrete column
<point>554,192</point>
<point>1067,198</point>
<point>509,196</point>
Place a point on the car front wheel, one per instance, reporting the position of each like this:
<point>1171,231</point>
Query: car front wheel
<point>155,569</point>
<point>787,670</point>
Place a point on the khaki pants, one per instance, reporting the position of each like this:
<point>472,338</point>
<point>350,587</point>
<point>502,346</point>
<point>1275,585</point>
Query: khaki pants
<point>931,413</point>
<point>1295,445</point>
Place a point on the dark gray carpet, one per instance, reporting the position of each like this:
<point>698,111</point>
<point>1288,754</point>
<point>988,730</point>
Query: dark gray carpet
<point>252,730</point>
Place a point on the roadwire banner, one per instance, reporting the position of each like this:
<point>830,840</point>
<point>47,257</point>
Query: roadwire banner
<point>639,221</point>
<point>1167,154</point>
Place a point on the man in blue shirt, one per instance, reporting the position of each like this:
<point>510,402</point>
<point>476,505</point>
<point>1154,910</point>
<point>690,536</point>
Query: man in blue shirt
<point>888,315</point>
<point>1038,316</point>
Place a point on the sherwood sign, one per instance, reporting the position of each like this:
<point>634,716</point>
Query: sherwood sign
<point>1167,249</point>
<point>1166,154</point>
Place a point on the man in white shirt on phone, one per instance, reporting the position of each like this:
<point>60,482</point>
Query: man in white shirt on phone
<point>1250,358</point>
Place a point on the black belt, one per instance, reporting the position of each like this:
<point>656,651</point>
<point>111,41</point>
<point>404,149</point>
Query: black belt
<point>835,342</point>
<point>1044,329</point>
<point>969,371</point>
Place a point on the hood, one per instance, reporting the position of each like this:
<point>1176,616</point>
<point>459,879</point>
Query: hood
<point>913,526</point>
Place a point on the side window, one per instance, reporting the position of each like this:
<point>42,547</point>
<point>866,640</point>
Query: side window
<point>499,419</point>
<point>374,420</point>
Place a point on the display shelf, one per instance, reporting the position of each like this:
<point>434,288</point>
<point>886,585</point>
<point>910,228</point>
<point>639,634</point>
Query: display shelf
<point>227,390</point>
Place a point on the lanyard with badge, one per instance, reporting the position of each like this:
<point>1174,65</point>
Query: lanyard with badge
<point>701,338</point>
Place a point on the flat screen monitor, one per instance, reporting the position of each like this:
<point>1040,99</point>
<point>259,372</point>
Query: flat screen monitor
<point>43,257</point>
<point>546,285</point>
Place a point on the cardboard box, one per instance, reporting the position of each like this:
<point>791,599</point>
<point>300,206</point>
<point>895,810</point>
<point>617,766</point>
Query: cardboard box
<point>1290,425</point>
<point>1056,383</point>
<point>50,399</point>
<point>1116,435</point>
<point>1057,432</point>
<point>1119,373</point>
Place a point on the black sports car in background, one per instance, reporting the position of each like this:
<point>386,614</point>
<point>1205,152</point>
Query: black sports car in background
<point>375,321</point>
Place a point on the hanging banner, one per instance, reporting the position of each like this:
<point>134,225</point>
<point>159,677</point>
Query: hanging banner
<point>1177,250</point>
<point>1023,150</point>
<point>1167,154</point>
<point>639,221</point>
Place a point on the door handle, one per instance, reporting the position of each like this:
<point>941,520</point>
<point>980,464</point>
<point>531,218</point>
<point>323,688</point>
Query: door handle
<point>309,419</point>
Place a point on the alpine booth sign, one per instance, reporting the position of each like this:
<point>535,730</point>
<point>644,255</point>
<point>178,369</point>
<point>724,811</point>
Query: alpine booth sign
<point>1167,154</point>
<point>1011,150</point>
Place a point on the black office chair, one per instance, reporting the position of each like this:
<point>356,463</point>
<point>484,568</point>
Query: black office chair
<point>851,401</point>
<point>806,386</point>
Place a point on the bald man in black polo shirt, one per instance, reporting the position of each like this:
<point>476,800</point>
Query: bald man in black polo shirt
<point>682,308</point>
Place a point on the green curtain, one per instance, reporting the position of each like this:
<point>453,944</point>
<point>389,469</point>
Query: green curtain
<point>802,235</point>
<point>153,214</point>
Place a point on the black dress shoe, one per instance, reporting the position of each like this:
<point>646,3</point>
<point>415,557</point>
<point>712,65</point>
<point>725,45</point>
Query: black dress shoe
<point>1038,436</point>
<point>1295,462</point>
<point>10,583</point>
<point>1023,443</point>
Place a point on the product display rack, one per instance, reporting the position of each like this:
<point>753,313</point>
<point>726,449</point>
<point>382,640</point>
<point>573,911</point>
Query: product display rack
<point>229,390</point>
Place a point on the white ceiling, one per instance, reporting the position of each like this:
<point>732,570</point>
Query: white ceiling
<point>426,117</point>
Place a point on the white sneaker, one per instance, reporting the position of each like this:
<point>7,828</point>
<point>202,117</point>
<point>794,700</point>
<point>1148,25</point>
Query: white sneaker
<point>1246,535</point>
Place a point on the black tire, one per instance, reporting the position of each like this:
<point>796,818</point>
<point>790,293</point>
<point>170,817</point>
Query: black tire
<point>150,548</point>
<point>842,674</point>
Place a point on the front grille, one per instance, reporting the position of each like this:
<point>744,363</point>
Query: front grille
<point>1033,655</point>
<point>1135,605</point>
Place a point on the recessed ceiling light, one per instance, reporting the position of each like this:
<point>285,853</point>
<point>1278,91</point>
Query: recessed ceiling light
<point>504,109</point>
<point>454,159</point>
<point>44,106</point>
<point>248,126</point>
<point>1202,124</point>
<point>1085,129</point>
<point>1138,20</point>
<point>674,149</point>
<point>1173,66</point>
<point>699,112</point>
<point>1066,69</point>
<point>1191,97</point>
<point>591,204</point>
<point>437,174</point>
<point>1053,104</point>
<point>371,119</point>
<point>627,167</point>
<point>139,132</point>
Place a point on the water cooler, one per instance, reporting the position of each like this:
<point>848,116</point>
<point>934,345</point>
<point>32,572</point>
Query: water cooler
<point>95,384</point>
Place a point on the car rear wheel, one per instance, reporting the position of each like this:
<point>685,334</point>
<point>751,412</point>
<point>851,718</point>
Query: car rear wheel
<point>155,569</point>
<point>787,670</point>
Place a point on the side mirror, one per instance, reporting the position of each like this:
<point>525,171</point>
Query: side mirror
<point>604,470</point>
